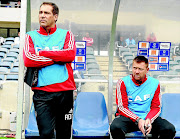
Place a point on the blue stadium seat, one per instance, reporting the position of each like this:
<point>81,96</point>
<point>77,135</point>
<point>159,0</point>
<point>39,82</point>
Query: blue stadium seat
<point>5,64</point>
<point>121,50</point>
<point>12,54</point>
<point>89,49</point>
<point>8,42</point>
<point>2,54</point>
<point>171,111</point>
<point>4,50</point>
<point>90,118</point>
<point>12,77</point>
<point>10,39</point>
<point>2,77</point>
<point>16,46</point>
<point>32,129</point>
<point>16,64</point>
<point>94,71</point>
<point>14,70</point>
<point>9,59</point>
<point>6,46</point>
<point>177,59</point>
<point>90,57</point>
<point>3,69</point>
<point>89,52</point>
<point>91,61</point>
<point>14,50</point>
<point>92,66</point>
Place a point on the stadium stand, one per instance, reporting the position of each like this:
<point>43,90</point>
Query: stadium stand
<point>8,42</point>
<point>100,77</point>
<point>177,59</point>
<point>127,59</point>
<point>14,70</point>
<point>155,74</point>
<point>90,57</point>
<point>4,50</point>
<point>90,118</point>
<point>133,46</point>
<point>89,52</point>
<point>176,68</point>
<point>91,61</point>
<point>12,77</point>
<point>16,64</point>
<point>15,50</point>
<point>125,54</point>
<point>6,46</point>
<point>2,54</point>
<point>3,69</point>
<point>2,77</point>
<point>5,64</point>
<point>16,46</point>
<point>89,49</point>
<point>12,54</point>
<point>121,50</point>
<point>92,66</point>
<point>9,39</point>
<point>9,59</point>
<point>172,64</point>
<point>94,71</point>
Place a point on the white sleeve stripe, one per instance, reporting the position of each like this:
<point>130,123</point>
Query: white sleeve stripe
<point>71,41</point>
<point>152,120</point>
<point>33,56</point>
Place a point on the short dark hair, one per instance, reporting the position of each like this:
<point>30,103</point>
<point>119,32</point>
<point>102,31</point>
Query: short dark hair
<point>140,59</point>
<point>55,7</point>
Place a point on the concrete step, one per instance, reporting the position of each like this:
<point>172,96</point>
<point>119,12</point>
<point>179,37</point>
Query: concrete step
<point>106,58</point>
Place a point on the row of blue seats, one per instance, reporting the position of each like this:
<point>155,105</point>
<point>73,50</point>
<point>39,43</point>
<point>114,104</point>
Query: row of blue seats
<point>90,116</point>
<point>9,63</point>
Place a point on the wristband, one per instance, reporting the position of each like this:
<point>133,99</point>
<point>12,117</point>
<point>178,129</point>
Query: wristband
<point>137,121</point>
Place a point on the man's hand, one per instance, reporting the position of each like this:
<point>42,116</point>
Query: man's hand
<point>141,124</point>
<point>145,124</point>
<point>148,126</point>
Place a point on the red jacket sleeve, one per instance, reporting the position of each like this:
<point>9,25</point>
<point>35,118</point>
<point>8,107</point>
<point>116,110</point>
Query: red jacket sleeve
<point>30,57</point>
<point>155,105</point>
<point>122,101</point>
<point>67,54</point>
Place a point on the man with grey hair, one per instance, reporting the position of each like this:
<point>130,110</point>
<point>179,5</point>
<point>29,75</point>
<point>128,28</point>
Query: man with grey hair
<point>51,50</point>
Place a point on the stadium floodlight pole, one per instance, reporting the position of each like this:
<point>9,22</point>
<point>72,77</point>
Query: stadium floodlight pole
<point>111,51</point>
<point>20,96</point>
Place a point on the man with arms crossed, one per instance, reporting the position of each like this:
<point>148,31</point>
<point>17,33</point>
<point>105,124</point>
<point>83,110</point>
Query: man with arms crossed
<point>52,50</point>
<point>139,103</point>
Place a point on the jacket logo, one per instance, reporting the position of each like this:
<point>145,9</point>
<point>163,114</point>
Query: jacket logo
<point>69,115</point>
<point>138,98</point>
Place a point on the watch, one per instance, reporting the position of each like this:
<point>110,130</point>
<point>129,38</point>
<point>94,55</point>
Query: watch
<point>137,121</point>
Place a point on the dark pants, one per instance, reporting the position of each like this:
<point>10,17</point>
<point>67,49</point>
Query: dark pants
<point>54,113</point>
<point>161,128</point>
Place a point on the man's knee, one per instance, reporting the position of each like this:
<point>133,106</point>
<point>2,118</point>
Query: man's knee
<point>169,130</point>
<point>116,130</point>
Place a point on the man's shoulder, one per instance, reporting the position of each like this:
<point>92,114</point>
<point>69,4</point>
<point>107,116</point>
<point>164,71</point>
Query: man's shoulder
<point>126,78</point>
<point>62,30</point>
<point>154,80</point>
<point>31,32</point>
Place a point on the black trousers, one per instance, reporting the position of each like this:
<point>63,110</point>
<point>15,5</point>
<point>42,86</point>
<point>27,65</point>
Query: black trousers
<point>54,113</point>
<point>161,128</point>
